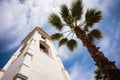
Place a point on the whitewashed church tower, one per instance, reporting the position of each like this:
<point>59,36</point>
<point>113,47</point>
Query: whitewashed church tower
<point>36,59</point>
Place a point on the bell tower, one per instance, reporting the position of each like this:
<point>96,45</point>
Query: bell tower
<point>36,59</point>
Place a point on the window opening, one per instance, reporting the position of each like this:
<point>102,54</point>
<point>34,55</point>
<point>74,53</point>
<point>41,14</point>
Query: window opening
<point>43,48</point>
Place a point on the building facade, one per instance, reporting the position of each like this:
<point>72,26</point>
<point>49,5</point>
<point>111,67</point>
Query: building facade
<point>36,59</point>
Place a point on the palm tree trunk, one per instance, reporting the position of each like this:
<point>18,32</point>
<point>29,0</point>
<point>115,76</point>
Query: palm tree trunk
<point>107,67</point>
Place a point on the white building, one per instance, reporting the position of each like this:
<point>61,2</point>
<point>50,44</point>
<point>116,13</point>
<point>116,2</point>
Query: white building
<point>36,59</point>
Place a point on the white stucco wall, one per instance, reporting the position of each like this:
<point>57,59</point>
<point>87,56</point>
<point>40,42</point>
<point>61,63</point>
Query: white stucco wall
<point>35,64</point>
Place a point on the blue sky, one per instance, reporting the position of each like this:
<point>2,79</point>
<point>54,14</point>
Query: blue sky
<point>19,17</point>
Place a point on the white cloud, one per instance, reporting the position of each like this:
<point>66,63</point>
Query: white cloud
<point>114,48</point>
<point>19,19</point>
<point>98,4</point>
<point>78,72</point>
<point>104,43</point>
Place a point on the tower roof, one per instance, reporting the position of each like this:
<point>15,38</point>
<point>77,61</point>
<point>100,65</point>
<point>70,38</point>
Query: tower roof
<point>40,31</point>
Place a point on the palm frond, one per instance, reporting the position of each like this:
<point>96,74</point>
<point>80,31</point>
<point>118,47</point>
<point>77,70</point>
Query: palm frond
<point>97,71</point>
<point>72,44</point>
<point>98,77</point>
<point>55,20</point>
<point>76,9</point>
<point>62,41</point>
<point>64,11</point>
<point>56,36</point>
<point>91,38</point>
<point>85,28</point>
<point>93,16</point>
<point>98,74</point>
<point>95,34</point>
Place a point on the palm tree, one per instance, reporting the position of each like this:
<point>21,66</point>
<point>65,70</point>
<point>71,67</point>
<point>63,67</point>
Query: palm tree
<point>82,27</point>
<point>99,75</point>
